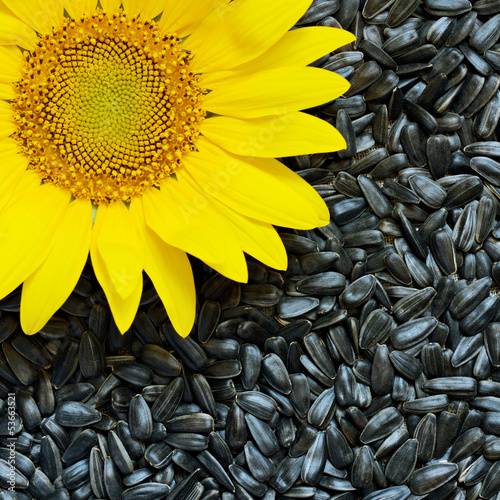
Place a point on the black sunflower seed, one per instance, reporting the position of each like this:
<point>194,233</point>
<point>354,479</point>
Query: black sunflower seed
<point>75,414</point>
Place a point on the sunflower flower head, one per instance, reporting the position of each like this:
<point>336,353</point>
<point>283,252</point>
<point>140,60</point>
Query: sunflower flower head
<point>143,131</point>
<point>107,106</point>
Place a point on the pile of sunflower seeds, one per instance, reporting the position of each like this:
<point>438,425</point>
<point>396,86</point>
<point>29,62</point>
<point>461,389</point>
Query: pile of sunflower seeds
<point>368,370</point>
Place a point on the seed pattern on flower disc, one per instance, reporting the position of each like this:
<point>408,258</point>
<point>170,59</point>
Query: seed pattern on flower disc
<point>107,106</point>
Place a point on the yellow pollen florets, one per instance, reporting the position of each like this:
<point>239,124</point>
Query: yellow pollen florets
<point>107,106</point>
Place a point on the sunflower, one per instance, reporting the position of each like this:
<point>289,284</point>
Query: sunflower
<point>145,130</point>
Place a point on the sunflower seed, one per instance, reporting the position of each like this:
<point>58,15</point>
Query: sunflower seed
<point>236,429</point>
<point>463,192</point>
<point>382,371</point>
<point>321,411</point>
<point>160,360</point>
<point>476,320</point>
<point>291,307</point>
<point>362,468</point>
<point>431,193</point>
<point>79,448</point>
<point>376,53</point>
<point>190,353</point>
<point>430,404</point>
<point>402,463</point>
<point>140,418</point>
<point>366,74</point>
<point>119,454</point>
<point>397,268</point>
<point>146,491</point>
<point>276,374</point>
<point>258,404</point>
<point>76,475</point>
<point>75,414</point>
<point>314,463</point>
<point>452,386</point>
<point>96,468</point>
<point>443,251</point>
<point>377,201</point>
<point>10,477</point>
<point>358,292</point>
<point>216,470</point>
<point>374,430</point>
<point>203,394</point>
<point>412,332</point>
<point>188,441</point>
<point>250,360</point>
<point>465,228</point>
<point>408,366</point>
<point>166,403</point>
<point>347,210</point>
<point>261,467</point>
<point>31,349</point>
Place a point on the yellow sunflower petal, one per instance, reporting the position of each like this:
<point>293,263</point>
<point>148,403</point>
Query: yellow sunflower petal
<point>8,145</point>
<point>110,5</point>
<point>235,266</point>
<point>241,31</point>
<point>123,310</point>
<point>298,47</point>
<point>78,8</point>
<point>274,136</point>
<point>235,269</point>
<point>7,124</point>
<point>120,247</point>
<point>15,32</point>
<point>49,286</point>
<point>147,10</point>
<point>12,169</point>
<point>27,228</point>
<point>283,89</point>
<point>181,18</point>
<point>40,16</point>
<point>171,274</point>
<point>30,181</point>
<point>7,91</point>
<point>258,239</point>
<point>11,62</point>
<point>177,219</point>
<point>263,189</point>
<point>184,217</point>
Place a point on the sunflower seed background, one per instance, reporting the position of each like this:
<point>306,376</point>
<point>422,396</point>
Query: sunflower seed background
<point>369,369</point>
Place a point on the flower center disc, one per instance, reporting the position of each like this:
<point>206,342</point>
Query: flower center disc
<point>107,106</point>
